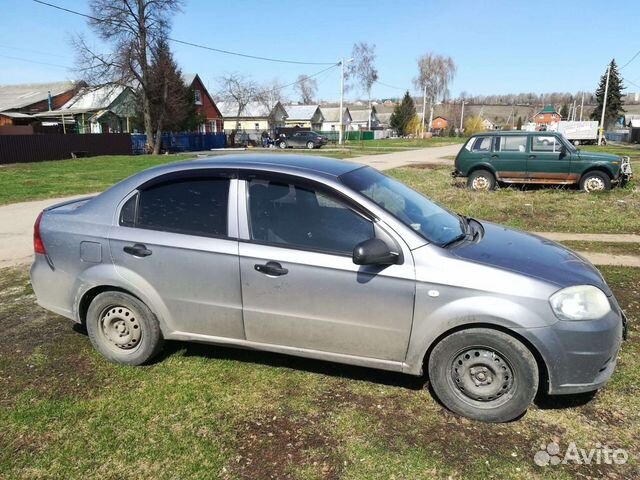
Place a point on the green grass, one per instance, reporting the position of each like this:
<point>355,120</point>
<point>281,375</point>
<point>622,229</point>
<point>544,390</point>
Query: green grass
<point>408,142</point>
<point>213,412</point>
<point>32,181</point>
<point>533,209</point>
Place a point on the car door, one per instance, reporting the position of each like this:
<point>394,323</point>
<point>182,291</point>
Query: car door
<point>296,139</point>
<point>300,287</point>
<point>177,239</point>
<point>509,157</point>
<point>547,161</point>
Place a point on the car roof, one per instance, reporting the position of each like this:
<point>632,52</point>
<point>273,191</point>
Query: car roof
<point>512,132</point>
<point>319,165</point>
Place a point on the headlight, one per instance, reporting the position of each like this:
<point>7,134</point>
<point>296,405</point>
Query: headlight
<point>582,302</point>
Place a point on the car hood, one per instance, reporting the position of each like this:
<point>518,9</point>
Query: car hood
<point>599,157</point>
<point>530,255</point>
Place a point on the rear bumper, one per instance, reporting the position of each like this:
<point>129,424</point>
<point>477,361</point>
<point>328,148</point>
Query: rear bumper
<point>51,288</point>
<point>580,356</point>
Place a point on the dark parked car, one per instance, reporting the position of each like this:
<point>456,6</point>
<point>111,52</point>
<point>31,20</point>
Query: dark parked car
<point>308,140</point>
<point>537,157</point>
<point>329,260</point>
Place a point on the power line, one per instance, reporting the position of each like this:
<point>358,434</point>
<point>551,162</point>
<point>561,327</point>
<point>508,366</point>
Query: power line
<point>184,42</point>
<point>282,87</point>
<point>632,59</point>
<point>38,52</point>
<point>35,61</point>
<point>389,86</point>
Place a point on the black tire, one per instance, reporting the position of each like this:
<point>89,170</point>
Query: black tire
<point>481,180</point>
<point>311,145</point>
<point>123,329</point>
<point>496,381</point>
<point>595,182</point>
<point>282,144</point>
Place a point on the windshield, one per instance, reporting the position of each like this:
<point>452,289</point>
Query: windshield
<point>430,220</point>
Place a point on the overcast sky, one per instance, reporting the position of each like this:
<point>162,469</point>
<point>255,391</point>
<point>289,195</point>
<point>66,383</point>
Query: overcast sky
<point>498,46</point>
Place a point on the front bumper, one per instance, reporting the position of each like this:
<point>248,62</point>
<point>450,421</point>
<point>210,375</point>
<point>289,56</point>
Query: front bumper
<point>581,355</point>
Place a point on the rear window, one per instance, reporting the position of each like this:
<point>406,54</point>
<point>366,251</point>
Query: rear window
<point>479,144</point>
<point>512,143</point>
<point>192,207</point>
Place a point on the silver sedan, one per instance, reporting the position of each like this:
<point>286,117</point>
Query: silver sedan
<point>329,260</point>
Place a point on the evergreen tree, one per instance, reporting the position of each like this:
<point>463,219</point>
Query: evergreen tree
<point>564,112</point>
<point>403,114</point>
<point>614,96</point>
<point>519,124</point>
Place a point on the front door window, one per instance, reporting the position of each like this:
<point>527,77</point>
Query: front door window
<point>301,216</point>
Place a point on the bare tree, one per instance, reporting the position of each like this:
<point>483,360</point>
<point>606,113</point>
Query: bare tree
<point>363,69</point>
<point>132,28</point>
<point>272,92</point>
<point>238,90</point>
<point>434,74</point>
<point>307,88</point>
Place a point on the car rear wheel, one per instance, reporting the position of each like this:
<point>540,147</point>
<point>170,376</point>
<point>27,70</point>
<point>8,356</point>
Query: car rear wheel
<point>123,329</point>
<point>481,180</point>
<point>483,374</point>
<point>282,144</point>
<point>310,145</point>
<point>595,182</point>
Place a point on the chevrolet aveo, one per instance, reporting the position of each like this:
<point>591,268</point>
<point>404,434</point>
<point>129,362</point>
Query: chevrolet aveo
<point>328,260</point>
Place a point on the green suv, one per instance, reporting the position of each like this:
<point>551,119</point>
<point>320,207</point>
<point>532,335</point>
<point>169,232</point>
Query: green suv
<point>539,158</point>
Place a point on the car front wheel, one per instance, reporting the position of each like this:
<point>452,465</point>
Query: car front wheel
<point>595,182</point>
<point>483,374</point>
<point>282,144</point>
<point>123,329</point>
<point>481,180</point>
<point>310,145</point>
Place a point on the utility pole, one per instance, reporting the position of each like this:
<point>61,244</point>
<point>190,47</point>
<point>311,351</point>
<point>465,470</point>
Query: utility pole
<point>424,107</point>
<point>340,133</point>
<point>604,106</point>
<point>581,106</point>
<point>341,100</point>
<point>462,117</point>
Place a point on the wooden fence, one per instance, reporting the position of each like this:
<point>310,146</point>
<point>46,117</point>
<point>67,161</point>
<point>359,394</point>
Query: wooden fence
<point>38,148</point>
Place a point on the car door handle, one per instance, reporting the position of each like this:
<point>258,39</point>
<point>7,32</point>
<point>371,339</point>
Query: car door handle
<point>532,157</point>
<point>271,268</point>
<point>495,156</point>
<point>137,250</point>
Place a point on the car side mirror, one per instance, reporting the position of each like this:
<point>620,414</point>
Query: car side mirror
<point>563,151</point>
<point>374,252</point>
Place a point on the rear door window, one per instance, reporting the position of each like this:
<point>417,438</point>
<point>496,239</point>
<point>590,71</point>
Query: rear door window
<point>196,206</point>
<point>512,143</point>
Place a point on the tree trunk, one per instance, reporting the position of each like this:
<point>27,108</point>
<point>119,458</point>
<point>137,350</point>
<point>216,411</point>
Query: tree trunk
<point>142,31</point>
<point>158,142</point>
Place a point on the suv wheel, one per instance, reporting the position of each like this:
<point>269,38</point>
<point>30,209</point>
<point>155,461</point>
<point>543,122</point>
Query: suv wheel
<point>595,182</point>
<point>482,180</point>
<point>483,374</point>
<point>282,144</point>
<point>310,145</point>
<point>123,329</point>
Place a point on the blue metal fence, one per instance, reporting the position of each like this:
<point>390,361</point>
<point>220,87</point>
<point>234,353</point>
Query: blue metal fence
<point>181,142</point>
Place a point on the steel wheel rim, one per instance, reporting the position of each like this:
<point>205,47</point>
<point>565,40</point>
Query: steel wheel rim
<point>481,376</point>
<point>480,183</point>
<point>121,328</point>
<point>310,146</point>
<point>594,184</point>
